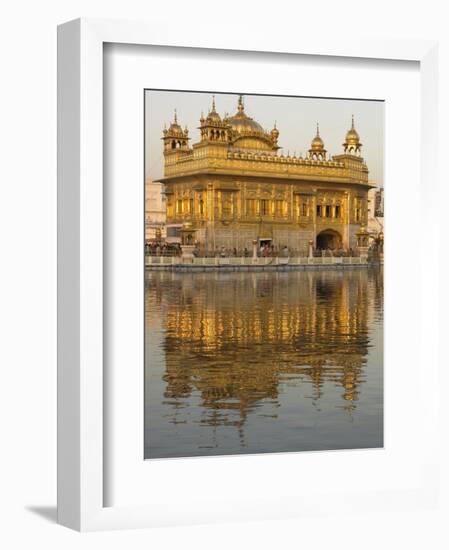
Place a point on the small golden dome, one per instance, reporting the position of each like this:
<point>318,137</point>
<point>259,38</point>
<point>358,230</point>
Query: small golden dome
<point>352,137</point>
<point>317,145</point>
<point>213,116</point>
<point>174,128</point>
<point>275,132</point>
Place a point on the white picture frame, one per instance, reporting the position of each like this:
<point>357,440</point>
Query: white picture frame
<point>81,490</point>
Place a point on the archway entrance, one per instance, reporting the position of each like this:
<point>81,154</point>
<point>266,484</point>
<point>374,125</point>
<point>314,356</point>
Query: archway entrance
<point>264,241</point>
<point>265,246</point>
<point>328,240</point>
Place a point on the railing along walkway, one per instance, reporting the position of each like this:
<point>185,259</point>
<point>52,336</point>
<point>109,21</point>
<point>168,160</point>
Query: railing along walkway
<point>262,261</point>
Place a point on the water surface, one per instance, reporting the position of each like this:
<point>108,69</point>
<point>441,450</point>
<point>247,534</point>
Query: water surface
<point>263,362</point>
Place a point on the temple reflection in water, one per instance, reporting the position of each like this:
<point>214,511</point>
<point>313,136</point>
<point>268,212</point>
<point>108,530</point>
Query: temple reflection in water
<point>263,362</point>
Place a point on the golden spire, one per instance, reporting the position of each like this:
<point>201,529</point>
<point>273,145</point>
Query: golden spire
<point>317,143</point>
<point>317,150</point>
<point>352,143</point>
<point>274,134</point>
<point>176,117</point>
<point>213,116</point>
<point>241,107</point>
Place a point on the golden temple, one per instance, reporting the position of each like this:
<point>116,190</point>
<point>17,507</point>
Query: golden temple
<point>233,188</point>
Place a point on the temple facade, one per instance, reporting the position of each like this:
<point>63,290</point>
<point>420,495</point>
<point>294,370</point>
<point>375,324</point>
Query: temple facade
<point>233,188</point>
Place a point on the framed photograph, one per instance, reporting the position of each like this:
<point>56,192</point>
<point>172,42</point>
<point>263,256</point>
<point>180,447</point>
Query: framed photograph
<point>228,222</point>
<point>263,275</point>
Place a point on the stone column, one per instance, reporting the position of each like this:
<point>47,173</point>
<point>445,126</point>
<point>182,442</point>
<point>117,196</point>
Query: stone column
<point>254,251</point>
<point>310,249</point>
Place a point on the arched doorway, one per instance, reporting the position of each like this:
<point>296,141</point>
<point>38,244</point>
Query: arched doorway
<point>328,240</point>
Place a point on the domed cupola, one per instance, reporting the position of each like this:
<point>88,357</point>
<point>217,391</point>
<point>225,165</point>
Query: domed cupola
<point>247,133</point>
<point>213,128</point>
<point>213,116</point>
<point>242,124</point>
<point>274,134</point>
<point>352,145</point>
<point>175,129</point>
<point>317,150</point>
<point>175,137</point>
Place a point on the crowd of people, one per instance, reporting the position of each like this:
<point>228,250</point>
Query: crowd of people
<point>162,249</point>
<point>264,250</point>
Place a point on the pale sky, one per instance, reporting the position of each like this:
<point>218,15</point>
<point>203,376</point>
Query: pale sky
<point>296,119</point>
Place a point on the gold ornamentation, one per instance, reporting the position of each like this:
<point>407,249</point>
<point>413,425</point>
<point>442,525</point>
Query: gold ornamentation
<point>248,184</point>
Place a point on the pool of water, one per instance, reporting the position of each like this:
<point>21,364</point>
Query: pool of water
<point>247,362</point>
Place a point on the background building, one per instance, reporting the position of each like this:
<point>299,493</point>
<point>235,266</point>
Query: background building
<point>379,203</point>
<point>155,210</point>
<point>376,211</point>
<point>233,187</point>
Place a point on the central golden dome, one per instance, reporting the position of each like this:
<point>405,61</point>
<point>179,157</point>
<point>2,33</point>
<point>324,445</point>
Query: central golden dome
<point>242,124</point>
